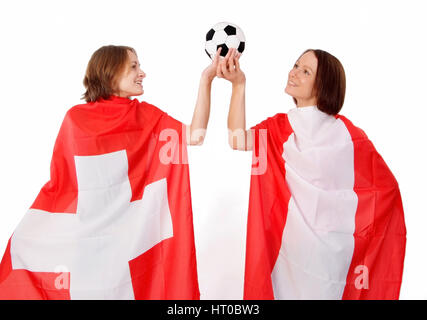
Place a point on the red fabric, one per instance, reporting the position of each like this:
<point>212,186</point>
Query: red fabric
<point>380,233</point>
<point>166,271</point>
<point>268,205</point>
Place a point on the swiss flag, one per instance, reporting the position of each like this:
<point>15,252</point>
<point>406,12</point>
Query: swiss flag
<point>325,213</point>
<point>115,219</point>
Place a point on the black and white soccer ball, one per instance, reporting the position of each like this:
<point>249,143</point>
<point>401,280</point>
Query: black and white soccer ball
<point>226,35</point>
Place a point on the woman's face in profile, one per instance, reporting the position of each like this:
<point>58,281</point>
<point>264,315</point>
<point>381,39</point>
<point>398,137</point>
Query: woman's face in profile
<point>301,80</point>
<point>130,82</point>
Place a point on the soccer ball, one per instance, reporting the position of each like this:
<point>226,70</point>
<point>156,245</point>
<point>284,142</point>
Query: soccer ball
<point>226,35</point>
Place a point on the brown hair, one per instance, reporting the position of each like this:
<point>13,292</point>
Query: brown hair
<point>329,84</point>
<point>102,72</point>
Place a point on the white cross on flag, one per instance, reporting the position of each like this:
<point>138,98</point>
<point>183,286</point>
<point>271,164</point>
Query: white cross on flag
<point>115,220</point>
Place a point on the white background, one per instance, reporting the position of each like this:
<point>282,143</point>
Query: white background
<point>45,47</point>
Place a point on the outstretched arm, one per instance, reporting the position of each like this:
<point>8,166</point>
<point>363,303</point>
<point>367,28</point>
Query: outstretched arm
<point>238,137</point>
<point>197,130</point>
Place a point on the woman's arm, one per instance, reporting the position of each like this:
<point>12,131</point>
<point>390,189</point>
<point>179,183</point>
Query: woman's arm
<point>238,137</point>
<point>197,130</point>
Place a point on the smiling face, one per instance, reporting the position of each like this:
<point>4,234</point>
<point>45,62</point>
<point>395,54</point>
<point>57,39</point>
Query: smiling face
<point>130,82</point>
<point>301,80</point>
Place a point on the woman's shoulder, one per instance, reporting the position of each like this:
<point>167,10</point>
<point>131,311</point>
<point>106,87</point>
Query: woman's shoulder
<point>355,132</point>
<point>98,106</point>
<point>75,110</point>
<point>81,107</point>
<point>150,107</point>
<point>279,119</point>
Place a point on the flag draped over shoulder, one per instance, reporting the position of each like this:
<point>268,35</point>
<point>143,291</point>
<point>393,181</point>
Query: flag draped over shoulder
<point>325,213</point>
<point>115,219</point>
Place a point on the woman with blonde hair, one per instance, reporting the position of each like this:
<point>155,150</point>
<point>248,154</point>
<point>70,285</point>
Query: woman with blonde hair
<point>115,219</point>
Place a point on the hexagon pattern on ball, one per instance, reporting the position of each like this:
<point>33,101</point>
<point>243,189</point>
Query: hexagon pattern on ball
<point>225,35</point>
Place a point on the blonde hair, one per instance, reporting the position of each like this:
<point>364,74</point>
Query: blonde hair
<point>102,72</point>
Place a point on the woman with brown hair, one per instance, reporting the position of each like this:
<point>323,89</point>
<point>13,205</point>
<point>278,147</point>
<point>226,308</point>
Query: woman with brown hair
<point>115,219</point>
<point>325,213</point>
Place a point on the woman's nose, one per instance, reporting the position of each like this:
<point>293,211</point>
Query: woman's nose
<point>295,73</point>
<point>142,73</point>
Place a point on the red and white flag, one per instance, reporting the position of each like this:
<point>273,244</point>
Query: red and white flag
<point>325,212</point>
<point>115,219</point>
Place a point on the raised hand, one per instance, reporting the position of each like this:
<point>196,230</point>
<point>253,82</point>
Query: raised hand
<point>210,72</point>
<point>229,68</point>
<point>196,131</point>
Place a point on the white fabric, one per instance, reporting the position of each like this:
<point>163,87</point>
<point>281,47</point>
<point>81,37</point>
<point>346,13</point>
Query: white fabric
<point>95,244</point>
<point>317,242</point>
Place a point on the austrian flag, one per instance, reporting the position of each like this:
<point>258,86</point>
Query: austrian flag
<point>115,219</point>
<point>325,212</point>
